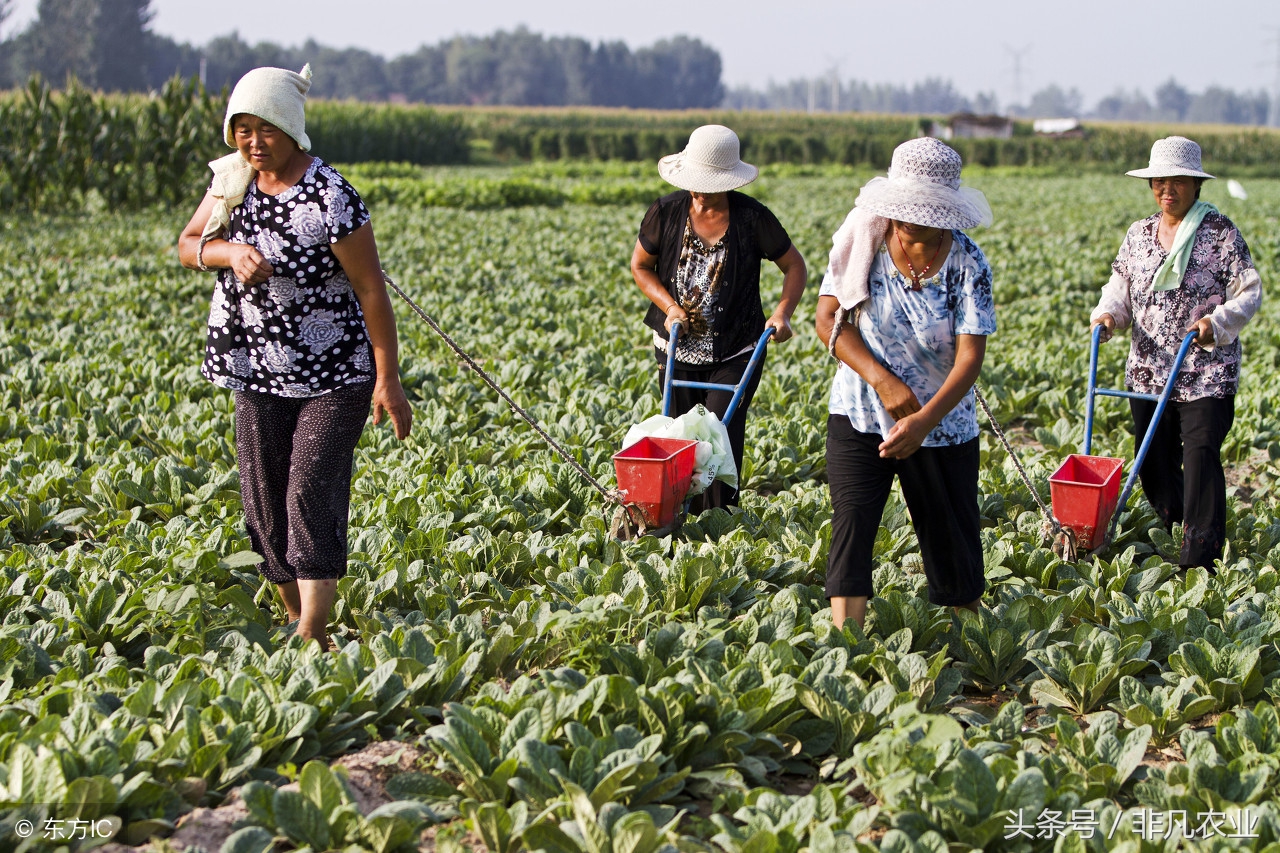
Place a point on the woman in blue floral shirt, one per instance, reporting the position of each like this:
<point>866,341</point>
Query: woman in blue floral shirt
<point>301,329</point>
<point>906,307</point>
<point>1184,269</point>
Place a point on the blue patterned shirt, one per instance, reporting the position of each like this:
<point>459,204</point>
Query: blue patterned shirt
<point>913,335</point>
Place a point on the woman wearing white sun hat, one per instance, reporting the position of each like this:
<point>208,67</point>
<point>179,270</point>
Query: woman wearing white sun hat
<point>698,258</point>
<point>906,307</point>
<point>1185,268</point>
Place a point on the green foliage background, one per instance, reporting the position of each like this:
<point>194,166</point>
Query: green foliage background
<point>574,692</point>
<point>72,149</point>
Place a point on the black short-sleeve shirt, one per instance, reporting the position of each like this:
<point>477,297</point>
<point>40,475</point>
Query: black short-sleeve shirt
<point>754,234</point>
<point>301,333</point>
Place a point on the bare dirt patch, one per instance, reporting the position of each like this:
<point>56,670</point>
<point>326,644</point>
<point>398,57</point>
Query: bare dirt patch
<point>368,772</point>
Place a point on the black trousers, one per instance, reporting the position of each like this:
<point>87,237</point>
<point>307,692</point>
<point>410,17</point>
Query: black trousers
<point>940,485</point>
<point>295,460</point>
<point>1182,473</point>
<point>728,372</point>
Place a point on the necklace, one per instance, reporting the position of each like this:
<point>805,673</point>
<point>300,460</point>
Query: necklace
<point>916,276</point>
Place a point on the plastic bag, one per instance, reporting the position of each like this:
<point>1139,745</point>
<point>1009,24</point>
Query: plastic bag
<point>713,457</point>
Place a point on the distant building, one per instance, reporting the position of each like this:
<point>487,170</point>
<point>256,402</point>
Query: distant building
<point>970,126</point>
<point>1058,128</point>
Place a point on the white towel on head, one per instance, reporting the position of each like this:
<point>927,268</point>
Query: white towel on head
<point>276,95</point>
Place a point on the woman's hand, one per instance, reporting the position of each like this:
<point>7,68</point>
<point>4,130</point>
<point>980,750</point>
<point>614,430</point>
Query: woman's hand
<point>358,254</point>
<point>1204,331</point>
<point>389,399</point>
<point>248,264</point>
<point>905,437</point>
<point>1108,324</point>
<point>676,314</point>
<point>794,276</point>
<point>782,323</point>
<point>898,398</point>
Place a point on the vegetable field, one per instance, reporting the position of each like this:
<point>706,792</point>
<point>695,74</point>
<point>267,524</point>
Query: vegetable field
<point>544,687</point>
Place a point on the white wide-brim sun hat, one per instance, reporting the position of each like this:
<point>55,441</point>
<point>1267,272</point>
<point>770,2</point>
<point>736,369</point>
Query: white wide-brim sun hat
<point>1172,157</point>
<point>710,163</point>
<point>923,188</point>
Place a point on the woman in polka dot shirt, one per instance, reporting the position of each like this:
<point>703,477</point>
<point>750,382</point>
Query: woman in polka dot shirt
<point>301,329</point>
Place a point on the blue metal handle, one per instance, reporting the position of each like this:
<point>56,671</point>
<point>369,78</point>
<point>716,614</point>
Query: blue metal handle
<point>741,388</point>
<point>1093,388</point>
<point>671,368</point>
<point>1161,405</point>
<point>738,390</point>
<point>1162,402</point>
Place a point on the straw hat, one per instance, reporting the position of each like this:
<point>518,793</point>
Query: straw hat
<point>1171,157</point>
<point>710,163</point>
<point>923,188</point>
<point>276,95</point>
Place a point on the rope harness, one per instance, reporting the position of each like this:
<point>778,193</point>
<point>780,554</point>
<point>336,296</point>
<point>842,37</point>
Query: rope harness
<point>626,521</point>
<point>1064,539</point>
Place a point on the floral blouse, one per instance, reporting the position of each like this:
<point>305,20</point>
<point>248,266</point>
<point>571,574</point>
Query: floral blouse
<point>913,334</point>
<point>1221,283</point>
<point>301,333</point>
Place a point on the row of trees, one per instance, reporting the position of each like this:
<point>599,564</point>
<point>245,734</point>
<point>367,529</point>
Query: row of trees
<point>108,45</point>
<point>1171,102</point>
<point>930,97</point>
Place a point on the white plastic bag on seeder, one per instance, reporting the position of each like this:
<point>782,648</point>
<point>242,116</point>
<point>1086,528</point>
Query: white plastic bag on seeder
<point>713,455</point>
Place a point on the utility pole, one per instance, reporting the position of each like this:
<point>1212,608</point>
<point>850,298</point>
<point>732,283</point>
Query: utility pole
<point>813,95</point>
<point>1273,114</point>
<point>834,74</point>
<point>1017,56</point>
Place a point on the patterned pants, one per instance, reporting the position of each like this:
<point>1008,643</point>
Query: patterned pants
<point>295,460</point>
<point>1182,474</point>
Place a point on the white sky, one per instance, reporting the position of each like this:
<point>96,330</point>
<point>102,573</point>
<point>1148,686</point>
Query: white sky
<point>1096,46</point>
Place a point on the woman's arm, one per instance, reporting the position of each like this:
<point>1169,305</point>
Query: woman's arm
<point>794,276</point>
<point>898,398</point>
<point>1226,321</point>
<point>244,260</point>
<point>644,269</point>
<point>909,432</point>
<point>1113,311</point>
<point>358,254</point>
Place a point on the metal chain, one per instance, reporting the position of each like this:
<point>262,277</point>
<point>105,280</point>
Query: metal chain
<point>611,495</point>
<point>1022,472</point>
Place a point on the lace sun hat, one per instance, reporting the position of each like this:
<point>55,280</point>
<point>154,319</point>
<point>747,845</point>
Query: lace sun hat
<point>710,163</point>
<point>923,188</point>
<point>1171,157</point>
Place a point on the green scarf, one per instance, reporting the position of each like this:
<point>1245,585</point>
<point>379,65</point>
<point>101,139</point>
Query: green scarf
<point>1170,274</point>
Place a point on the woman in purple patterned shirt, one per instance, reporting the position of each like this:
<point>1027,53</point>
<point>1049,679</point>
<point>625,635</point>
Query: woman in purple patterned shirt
<point>1186,268</point>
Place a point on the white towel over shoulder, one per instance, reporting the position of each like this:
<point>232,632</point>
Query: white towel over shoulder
<point>232,175</point>
<point>853,249</point>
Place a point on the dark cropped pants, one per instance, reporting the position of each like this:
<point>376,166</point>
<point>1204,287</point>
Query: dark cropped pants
<point>295,459</point>
<point>728,372</point>
<point>1182,473</point>
<point>940,486</point>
